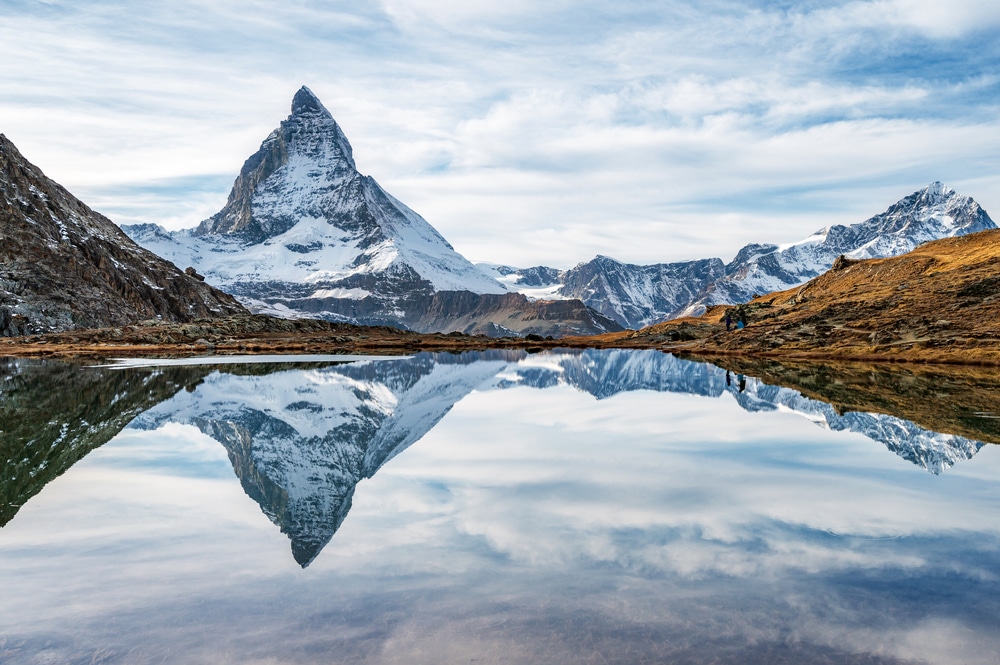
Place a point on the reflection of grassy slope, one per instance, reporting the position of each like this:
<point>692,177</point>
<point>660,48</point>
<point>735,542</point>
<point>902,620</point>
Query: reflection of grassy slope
<point>53,414</point>
<point>950,400</point>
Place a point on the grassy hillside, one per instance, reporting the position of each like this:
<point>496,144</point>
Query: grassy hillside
<point>940,302</point>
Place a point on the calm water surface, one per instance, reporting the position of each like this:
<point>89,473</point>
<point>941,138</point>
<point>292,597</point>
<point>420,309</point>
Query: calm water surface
<point>579,507</point>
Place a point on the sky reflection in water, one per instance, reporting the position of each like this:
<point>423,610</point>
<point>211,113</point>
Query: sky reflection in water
<point>526,524</point>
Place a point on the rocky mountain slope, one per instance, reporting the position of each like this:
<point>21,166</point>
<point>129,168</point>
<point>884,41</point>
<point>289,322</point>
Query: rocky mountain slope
<point>64,266</point>
<point>637,296</point>
<point>940,303</point>
<point>304,234</point>
<point>929,214</point>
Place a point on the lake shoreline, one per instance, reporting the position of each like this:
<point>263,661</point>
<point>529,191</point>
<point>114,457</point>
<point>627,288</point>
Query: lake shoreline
<point>258,334</point>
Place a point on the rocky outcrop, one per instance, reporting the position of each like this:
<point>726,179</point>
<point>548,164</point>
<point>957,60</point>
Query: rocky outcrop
<point>510,314</point>
<point>64,266</point>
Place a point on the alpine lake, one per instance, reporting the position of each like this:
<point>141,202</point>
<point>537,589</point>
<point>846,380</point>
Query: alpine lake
<point>497,507</point>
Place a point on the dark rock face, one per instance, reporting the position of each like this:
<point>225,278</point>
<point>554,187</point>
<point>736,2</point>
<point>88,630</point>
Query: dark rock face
<point>506,315</point>
<point>633,296</point>
<point>310,132</point>
<point>636,296</point>
<point>64,266</point>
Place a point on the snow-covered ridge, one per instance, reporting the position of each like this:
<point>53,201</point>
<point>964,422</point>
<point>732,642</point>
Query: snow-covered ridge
<point>637,296</point>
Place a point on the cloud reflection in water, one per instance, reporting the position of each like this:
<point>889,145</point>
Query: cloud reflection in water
<point>527,526</point>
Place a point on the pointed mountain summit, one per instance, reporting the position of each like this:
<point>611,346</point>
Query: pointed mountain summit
<point>303,215</point>
<point>304,234</point>
<point>64,266</point>
<point>303,169</point>
<point>306,101</point>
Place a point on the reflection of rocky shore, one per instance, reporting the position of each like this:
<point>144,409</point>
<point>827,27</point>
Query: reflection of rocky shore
<point>852,402</point>
<point>54,413</point>
<point>959,400</point>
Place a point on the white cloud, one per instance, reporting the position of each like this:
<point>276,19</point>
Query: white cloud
<point>934,19</point>
<point>526,132</point>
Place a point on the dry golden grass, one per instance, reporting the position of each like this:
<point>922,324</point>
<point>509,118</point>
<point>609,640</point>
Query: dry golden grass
<point>939,303</point>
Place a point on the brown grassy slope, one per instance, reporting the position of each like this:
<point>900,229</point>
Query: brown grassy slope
<point>939,303</point>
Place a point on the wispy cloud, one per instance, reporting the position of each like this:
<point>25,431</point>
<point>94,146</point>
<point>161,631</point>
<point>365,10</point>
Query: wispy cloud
<point>526,132</point>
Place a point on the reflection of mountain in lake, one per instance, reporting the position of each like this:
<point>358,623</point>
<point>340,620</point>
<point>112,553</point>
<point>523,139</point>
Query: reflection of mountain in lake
<point>54,413</point>
<point>931,450</point>
<point>607,373</point>
<point>604,374</point>
<point>301,440</point>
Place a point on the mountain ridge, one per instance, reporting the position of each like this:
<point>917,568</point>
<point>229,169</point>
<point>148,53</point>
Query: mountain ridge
<point>938,303</point>
<point>64,266</point>
<point>636,296</point>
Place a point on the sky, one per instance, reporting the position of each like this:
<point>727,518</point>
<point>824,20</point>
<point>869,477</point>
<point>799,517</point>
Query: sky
<point>526,132</point>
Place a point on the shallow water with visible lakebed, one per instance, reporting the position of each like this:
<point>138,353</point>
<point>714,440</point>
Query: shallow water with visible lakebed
<point>497,507</point>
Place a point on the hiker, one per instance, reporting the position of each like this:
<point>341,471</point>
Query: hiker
<point>739,324</point>
<point>729,380</point>
<point>729,321</point>
<point>743,382</point>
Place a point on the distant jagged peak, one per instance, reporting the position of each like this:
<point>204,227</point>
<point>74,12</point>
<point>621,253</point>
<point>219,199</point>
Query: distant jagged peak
<point>937,196</point>
<point>937,190</point>
<point>604,259</point>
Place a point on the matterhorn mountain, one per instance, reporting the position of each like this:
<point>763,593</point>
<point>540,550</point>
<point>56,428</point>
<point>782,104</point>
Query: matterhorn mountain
<point>64,266</point>
<point>635,296</point>
<point>304,234</point>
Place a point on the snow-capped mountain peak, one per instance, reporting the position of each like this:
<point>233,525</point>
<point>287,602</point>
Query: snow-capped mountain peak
<point>303,233</point>
<point>639,295</point>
